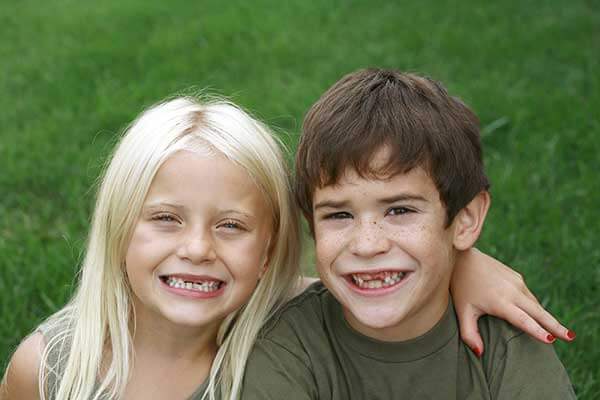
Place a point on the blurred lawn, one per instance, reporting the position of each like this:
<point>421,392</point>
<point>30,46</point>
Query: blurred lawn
<point>73,74</point>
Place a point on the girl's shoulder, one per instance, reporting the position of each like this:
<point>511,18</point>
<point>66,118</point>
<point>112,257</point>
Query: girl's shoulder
<point>21,378</point>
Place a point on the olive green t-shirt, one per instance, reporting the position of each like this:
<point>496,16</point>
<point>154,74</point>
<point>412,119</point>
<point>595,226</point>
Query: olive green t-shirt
<point>308,351</point>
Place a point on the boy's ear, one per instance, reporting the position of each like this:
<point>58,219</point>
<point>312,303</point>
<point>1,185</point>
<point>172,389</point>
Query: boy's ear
<point>469,221</point>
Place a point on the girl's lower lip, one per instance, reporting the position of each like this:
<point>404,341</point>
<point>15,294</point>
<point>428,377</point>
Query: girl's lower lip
<point>382,291</point>
<point>194,294</point>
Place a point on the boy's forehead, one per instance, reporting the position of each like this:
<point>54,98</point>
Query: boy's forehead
<point>377,167</point>
<point>416,183</point>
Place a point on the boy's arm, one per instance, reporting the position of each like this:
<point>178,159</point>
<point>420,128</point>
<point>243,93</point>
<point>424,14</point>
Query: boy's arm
<point>21,377</point>
<point>274,373</point>
<point>482,285</point>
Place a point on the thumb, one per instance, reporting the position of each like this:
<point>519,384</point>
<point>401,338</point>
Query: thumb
<point>469,331</point>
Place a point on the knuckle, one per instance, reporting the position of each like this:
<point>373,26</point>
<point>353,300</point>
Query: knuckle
<point>523,320</point>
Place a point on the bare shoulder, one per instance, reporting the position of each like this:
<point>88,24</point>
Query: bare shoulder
<point>21,377</point>
<point>304,282</point>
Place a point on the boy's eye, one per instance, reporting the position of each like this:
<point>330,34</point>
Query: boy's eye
<point>338,215</point>
<point>399,211</point>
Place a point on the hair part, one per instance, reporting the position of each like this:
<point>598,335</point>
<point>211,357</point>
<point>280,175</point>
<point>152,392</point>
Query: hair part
<point>412,117</point>
<point>99,316</point>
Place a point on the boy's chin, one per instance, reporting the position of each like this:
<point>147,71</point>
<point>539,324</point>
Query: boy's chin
<point>375,321</point>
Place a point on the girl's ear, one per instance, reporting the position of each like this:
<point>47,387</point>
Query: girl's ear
<point>266,259</point>
<point>469,221</point>
<point>263,269</point>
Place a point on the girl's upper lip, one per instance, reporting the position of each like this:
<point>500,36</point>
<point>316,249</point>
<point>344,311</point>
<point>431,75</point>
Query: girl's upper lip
<point>192,277</point>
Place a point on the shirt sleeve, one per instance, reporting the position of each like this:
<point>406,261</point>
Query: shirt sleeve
<point>273,372</point>
<point>529,369</point>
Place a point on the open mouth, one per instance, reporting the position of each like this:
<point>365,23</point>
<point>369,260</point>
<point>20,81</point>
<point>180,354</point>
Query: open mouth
<point>376,280</point>
<point>193,284</point>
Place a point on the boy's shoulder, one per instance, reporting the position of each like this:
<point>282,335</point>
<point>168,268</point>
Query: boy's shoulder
<point>306,308</point>
<point>497,332</point>
<point>516,363</point>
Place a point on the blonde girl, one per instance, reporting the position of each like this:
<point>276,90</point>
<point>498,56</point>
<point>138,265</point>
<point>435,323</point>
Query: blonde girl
<point>194,243</point>
<point>93,347</point>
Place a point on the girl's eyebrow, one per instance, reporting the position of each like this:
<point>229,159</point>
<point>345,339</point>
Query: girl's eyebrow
<point>163,204</point>
<point>238,212</point>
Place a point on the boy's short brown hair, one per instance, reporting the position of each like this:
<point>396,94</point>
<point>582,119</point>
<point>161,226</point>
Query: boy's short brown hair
<point>414,116</point>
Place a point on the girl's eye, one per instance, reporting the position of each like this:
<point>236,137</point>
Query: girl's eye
<point>338,215</point>
<point>399,211</point>
<point>164,218</point>
<point>231,225</point>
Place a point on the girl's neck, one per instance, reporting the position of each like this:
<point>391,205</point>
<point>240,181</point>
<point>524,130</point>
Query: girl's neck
<point>169,361</point>
<point>166,340</point>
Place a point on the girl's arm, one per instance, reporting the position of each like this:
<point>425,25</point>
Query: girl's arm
<point>483,285</point>
<point>21,378</point>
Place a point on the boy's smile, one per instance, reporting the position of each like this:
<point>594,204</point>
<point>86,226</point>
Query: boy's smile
<point>384,251</point>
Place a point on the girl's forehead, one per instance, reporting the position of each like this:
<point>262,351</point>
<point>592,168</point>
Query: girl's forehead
<point>200,180</point>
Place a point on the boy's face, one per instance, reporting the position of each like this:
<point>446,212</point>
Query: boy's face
<point>384,252</point>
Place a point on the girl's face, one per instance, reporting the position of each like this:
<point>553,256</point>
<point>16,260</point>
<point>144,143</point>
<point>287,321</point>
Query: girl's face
<point>200,244</point>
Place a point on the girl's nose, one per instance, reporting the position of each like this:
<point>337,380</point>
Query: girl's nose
<point>197,248</point>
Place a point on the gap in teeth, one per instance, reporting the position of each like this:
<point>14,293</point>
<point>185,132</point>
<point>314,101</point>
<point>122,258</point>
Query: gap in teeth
<point>365,281</point>
<point>207,286</point>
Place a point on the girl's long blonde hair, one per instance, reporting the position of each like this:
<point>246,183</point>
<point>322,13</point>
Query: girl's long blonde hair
<point>93,331</point>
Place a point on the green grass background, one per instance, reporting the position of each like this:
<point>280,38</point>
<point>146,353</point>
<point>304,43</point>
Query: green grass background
<point>73,74</point>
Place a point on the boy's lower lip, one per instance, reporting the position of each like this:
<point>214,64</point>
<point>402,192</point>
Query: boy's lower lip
<point>192,293</point>
<point>374,292</point>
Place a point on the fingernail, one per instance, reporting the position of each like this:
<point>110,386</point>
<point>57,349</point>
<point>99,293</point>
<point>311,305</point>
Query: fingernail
<point>477,351</point>
<point>550,338</point>
<point>571,335</point>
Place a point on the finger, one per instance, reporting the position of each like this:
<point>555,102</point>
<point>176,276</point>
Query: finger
<point>524,321</point>
<point>532,307</point>
<point>469,331</point>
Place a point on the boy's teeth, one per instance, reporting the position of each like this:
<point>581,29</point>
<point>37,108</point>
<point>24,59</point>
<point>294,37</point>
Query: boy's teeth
<point>207,286</point>
<point>368,281</point>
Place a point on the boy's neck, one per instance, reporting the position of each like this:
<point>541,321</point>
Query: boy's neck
<point>410,327</point>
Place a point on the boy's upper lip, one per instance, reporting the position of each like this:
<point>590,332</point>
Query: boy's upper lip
<point>375,271</point>
<point>192,277</point>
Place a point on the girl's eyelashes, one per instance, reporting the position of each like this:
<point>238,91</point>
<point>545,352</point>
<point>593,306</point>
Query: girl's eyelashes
<point>231,224</point>
<point>164,217</point>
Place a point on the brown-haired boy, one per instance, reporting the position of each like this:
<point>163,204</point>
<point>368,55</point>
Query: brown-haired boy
<point>391,180</point>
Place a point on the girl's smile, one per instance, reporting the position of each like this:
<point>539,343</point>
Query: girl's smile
<point>193,286</point>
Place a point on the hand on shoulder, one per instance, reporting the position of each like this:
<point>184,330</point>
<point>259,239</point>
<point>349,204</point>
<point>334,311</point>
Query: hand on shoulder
<point>21,377</point>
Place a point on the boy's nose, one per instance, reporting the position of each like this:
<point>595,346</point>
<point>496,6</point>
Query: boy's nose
<point>369,240</point>
<point>197,248</point>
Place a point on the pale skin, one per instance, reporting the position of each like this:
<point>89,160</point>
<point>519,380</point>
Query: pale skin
<point>178,348</point>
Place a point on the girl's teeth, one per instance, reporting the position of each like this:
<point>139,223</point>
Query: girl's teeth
<point>178,283</point>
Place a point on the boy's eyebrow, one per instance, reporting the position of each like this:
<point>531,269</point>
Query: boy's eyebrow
<point>383,200</point>
<point>331,204</point>
<point>402,197</point>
